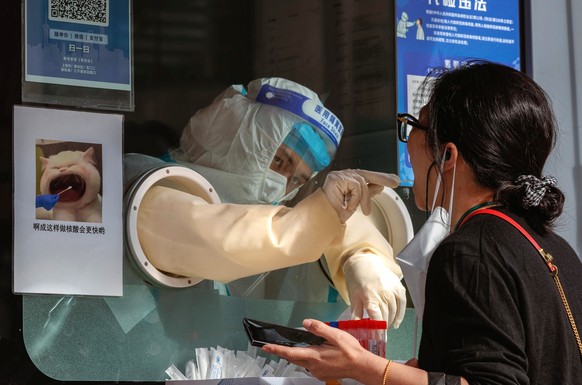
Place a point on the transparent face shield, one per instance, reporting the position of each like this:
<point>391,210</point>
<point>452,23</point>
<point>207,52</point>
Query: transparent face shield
<point>311,143</point>
<point>300,157</point>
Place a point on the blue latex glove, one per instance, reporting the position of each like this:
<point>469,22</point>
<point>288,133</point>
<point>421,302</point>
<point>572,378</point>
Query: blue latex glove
<point>47,201</point>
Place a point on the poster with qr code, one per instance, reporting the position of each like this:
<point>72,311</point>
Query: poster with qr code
<point>79,43</point>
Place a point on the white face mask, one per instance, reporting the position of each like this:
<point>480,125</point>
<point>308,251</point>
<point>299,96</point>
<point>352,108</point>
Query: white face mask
<point>415,257</point>
<point>287,197</point>
<point>274,186</point>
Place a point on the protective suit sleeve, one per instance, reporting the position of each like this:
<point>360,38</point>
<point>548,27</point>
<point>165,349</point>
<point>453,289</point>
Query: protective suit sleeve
<point>182,234</point>
<point>365,273</point>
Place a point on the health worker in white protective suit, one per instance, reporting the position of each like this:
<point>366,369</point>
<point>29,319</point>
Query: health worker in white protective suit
<point>256,148</point>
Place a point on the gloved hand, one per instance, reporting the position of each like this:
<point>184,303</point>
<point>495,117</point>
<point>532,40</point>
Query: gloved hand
<point>374,288</point>
<point>47,201</point>
<point>346,189</point>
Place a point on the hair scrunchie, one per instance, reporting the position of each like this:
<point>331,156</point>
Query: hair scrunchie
<point>535,188</point>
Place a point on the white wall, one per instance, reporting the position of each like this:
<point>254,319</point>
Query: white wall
<point>557,67</point>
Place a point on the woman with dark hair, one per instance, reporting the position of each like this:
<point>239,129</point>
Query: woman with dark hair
<point>498,310</point>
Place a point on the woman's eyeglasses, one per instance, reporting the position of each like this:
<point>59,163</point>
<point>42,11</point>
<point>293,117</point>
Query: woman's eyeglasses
<point>405,124</point>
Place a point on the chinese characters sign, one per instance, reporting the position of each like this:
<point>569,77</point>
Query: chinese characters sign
<point>68,191</point>
<point>443,33</point>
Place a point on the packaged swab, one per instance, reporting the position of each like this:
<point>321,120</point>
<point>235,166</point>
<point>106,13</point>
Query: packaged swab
<point>175,373</point>
<point>217,363</point>
<point>267,371</point>
<point>202,362</point>
<point>191,371</point>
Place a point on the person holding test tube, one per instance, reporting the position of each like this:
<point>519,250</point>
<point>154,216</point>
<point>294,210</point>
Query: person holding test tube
<point>503,291</point>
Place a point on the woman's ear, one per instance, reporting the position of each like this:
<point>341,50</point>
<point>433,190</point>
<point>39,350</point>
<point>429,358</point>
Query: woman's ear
<point>451,154</point>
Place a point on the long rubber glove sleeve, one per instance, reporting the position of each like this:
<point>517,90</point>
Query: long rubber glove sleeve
<point>182,234</point>
<point>365,273</point>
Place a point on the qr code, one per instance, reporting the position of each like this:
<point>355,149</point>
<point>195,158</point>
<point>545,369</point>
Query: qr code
<point>92,12</point>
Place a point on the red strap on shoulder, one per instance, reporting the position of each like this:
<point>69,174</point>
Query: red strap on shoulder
<point>547,257</point>
<point>507,219</point>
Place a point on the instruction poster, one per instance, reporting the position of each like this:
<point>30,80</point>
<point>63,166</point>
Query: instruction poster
<point>67,202</point>
<point>78,43</point>
<point>442,33</point>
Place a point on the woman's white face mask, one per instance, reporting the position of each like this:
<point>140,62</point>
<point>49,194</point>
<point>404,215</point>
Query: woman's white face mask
<point>415,257</point>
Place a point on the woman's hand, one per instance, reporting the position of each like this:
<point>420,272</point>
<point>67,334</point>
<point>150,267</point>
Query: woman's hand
<point>342,356</point>
<point>339,357</point>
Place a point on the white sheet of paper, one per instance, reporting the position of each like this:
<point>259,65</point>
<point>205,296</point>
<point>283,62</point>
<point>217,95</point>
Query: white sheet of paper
<point>70,249</point>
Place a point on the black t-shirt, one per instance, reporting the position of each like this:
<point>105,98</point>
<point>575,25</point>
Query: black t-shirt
<point>493,313</point>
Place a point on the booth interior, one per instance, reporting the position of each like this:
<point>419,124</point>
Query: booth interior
<point>184,55</point>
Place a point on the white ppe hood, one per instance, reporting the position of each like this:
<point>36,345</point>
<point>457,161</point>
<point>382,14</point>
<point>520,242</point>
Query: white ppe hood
<point>232,141</point>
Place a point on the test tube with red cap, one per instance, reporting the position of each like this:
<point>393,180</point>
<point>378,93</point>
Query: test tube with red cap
<point>371,334</point>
